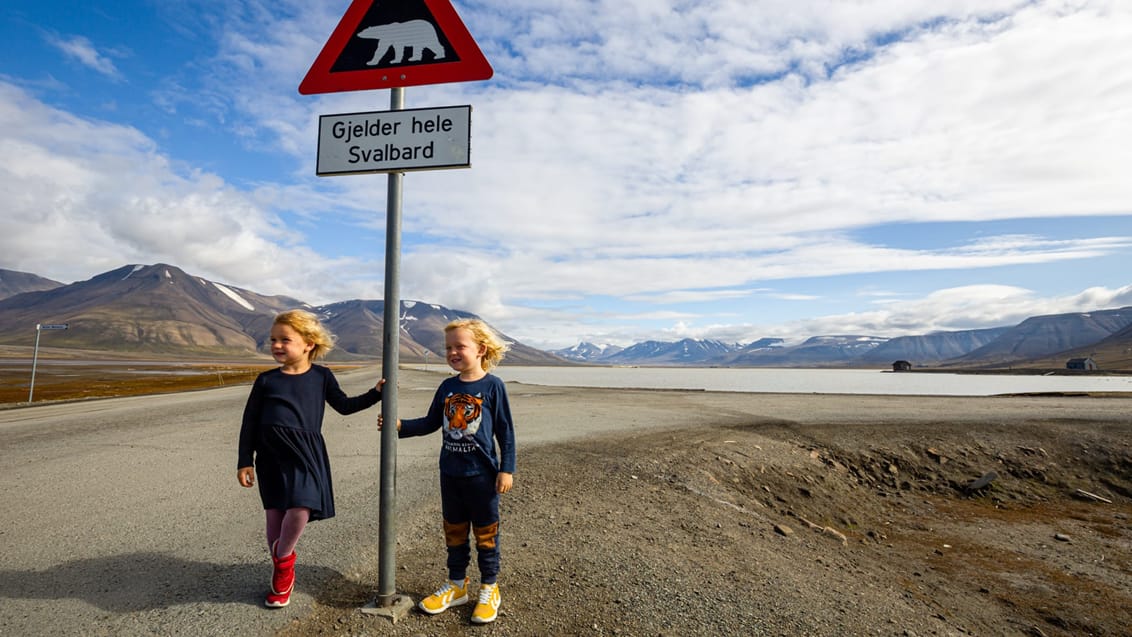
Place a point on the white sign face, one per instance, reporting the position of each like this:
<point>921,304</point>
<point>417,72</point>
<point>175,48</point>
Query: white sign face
<point>394,141</point>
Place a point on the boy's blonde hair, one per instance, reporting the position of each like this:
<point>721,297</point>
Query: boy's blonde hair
<point>311,329</point>
<point>494,346</point>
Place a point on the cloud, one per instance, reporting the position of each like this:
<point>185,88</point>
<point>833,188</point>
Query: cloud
<point>640,168</point>
<point>689,296</point>
<point>969,307</point>
<point>702,44</point>
<point>93,196</point>
<point>80,49</point>
<point>621,189</point>
<point>951,309</point>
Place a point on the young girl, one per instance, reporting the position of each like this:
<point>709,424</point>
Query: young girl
<point>282,434</point>
<point>473,411</point>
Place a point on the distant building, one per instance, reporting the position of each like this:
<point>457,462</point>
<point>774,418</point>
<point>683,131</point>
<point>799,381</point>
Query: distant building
<point>1086,364</point>
<point>901,366</point>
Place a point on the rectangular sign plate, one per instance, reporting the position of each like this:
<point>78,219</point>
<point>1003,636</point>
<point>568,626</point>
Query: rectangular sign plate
<point>394,141</point>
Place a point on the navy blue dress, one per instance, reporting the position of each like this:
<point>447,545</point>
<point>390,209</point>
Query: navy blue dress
<point>282,434</point>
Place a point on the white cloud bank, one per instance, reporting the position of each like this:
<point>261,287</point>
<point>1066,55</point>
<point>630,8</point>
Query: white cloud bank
<point>640,168</point>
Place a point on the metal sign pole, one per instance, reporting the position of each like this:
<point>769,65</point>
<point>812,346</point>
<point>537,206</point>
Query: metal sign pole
<point>324,76</point>
<point>34,361</point>
<point>388,602</point>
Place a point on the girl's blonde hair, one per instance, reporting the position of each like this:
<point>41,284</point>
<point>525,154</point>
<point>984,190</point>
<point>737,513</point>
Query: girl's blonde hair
<point>494,346</point>
<point>311,329</point>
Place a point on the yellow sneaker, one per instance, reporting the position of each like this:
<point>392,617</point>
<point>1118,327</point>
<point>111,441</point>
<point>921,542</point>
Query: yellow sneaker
<point>452,593</point>
<point>487,608</point>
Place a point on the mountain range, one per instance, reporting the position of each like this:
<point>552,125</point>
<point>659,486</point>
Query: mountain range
<point>160,309</point>
<point>1037,342</point>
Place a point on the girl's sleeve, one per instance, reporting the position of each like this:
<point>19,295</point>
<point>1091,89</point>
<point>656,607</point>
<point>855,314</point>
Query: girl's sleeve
<point>344,404</point>
<point>246,451</point>
<point>423,426</point>
<point>504,431</point>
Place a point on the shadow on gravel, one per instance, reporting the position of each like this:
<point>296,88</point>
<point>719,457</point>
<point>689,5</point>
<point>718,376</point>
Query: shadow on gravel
<point>148,581</point>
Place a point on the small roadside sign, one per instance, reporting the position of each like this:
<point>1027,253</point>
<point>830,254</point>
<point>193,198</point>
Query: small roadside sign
<point>380,44</point>
<point>39,327</point>
<point>394,141</point>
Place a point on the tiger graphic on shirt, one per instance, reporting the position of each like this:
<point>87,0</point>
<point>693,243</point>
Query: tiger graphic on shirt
<point>462,415</point>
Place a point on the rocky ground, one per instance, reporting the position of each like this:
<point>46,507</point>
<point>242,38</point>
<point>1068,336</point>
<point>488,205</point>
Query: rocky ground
<point>635,512</point>
<point>753,526</point>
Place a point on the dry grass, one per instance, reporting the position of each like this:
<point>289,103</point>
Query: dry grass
<point>57,383</point>
<point>59,379</point>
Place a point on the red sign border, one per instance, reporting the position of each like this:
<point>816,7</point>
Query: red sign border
<point>471,66</point>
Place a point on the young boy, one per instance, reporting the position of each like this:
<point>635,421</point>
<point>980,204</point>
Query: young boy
<point>473,411</point>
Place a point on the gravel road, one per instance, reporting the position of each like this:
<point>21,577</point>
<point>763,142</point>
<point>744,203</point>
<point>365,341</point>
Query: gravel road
<point>627,517</point>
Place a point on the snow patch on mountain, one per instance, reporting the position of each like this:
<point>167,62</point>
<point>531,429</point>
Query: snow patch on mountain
<point>232,295</point>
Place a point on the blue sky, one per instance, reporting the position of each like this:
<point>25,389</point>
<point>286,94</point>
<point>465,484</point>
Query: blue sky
<point>641,169</point>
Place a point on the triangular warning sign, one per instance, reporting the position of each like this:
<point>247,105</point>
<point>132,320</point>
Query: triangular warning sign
<point>385,44</point>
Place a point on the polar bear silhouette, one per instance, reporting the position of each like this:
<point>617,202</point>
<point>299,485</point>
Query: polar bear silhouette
<point>418,34</point>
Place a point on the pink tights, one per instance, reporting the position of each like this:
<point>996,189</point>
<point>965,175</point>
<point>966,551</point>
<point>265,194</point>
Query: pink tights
<point>286,527</point>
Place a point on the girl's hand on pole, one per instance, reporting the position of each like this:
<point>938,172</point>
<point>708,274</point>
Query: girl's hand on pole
<point>380,384</point>
<point>381,421</point>
<point>503,482</point>
<point>246,476</point>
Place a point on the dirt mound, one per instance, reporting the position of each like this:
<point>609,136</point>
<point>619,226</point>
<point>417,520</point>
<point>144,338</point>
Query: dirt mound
<point>1003,466</point>
<point>1022,526</point>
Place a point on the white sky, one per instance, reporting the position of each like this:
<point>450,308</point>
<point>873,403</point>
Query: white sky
<point>647,169</point>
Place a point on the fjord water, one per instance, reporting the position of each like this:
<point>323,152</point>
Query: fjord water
<point>812,381</point>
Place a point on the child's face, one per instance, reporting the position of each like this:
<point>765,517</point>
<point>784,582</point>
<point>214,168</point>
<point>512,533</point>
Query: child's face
<point>464,353</point>
<point>288,347</point>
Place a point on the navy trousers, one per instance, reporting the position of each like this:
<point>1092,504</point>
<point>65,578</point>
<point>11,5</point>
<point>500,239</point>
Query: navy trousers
<point>471,504</point>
